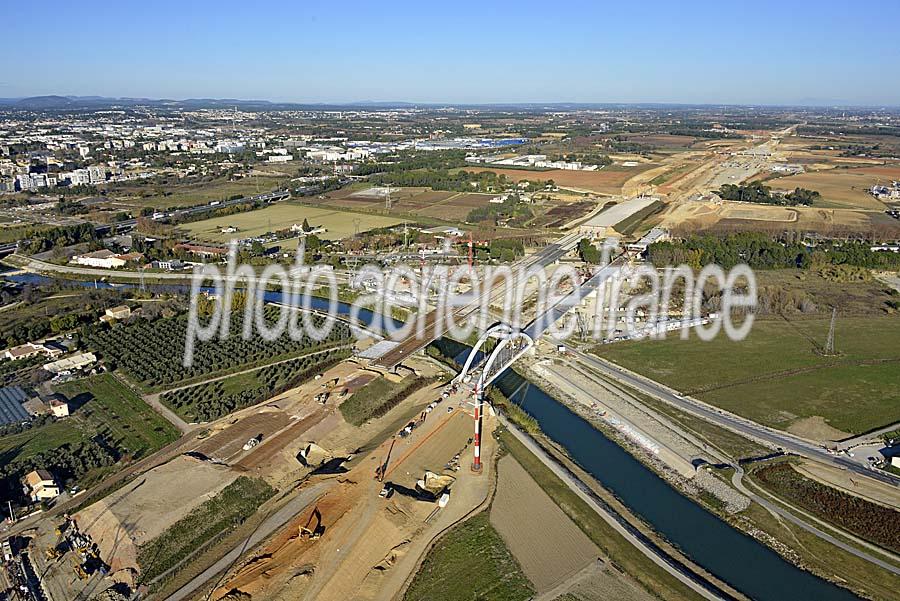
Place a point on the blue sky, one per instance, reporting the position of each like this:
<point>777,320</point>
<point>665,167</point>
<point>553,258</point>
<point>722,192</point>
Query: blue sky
<point>811,52</point>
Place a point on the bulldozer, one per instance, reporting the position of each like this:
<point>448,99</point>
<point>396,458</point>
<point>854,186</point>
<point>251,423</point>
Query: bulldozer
<point>313,533</point>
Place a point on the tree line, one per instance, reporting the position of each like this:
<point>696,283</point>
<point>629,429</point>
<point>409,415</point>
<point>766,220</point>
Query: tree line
<point>760,193</point>
<point>761,251</point>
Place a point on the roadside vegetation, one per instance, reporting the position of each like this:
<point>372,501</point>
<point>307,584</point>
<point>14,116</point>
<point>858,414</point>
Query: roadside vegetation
<point>211,520</point>
<point>762,194</point>
<point>763,251</point>
<point>870,521</point>
<point>470,562</point>
<point>212,400</point>
<point>378,397</point>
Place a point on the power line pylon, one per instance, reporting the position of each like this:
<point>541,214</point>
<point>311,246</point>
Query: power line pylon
<point>829,344</point>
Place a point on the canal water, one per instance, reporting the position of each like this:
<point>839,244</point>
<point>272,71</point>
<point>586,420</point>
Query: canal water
<point>747,565</point>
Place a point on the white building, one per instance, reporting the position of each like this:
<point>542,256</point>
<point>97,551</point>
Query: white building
<point>41,486</point>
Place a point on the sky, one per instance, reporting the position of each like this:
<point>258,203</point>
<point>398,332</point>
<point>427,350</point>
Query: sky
<point>821,52</point>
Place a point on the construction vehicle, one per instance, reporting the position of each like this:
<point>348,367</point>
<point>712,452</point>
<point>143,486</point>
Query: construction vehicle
<point>381,470</point>
<point>82,575</point>
<point>316,532</point>
<point>252,442</point>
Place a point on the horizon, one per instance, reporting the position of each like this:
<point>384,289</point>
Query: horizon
<point>439,103</point>
<point>655,53</point>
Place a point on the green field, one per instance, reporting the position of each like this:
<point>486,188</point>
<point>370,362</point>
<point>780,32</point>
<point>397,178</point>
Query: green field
<point>339,224</point>
<point>182,195</point>
<point>470,562</point>
<point>777,375</point>
<point>119,414</point>
<point>377,398</point>
<point>101,405</point>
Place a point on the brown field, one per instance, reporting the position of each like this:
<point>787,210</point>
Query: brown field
<point>424,202</point>
<point>693,216</point>
<point>841,188</point>
<point>548,545</point>
<point>564,213</point>
<point>145,508</point>
<point>414,455</point>
<point>666,141</point>
<point>226,443</point>
<point>608,180</point>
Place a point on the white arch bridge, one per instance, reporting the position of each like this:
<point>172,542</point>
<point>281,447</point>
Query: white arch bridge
<point>485,367</point>
<point>512,343</point>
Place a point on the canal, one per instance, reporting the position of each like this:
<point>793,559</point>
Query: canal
<point>744,563</point>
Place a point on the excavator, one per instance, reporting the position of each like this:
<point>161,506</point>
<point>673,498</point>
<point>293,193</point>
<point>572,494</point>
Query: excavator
<point>316,532</point>
<point>381,470</point>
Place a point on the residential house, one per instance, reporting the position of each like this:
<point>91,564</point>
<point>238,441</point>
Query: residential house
<point>40,486</point>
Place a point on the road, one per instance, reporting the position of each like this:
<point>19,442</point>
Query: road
<point>434,329</point>
<point>730,421</point>
<point>275,521</point>
<point>737,478</point>
<point>655,554</point>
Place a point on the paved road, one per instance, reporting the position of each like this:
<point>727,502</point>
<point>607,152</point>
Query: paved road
<point>730,421</point>
<point>268,527</point>
<point>736,479</point>
<point>579,488</point>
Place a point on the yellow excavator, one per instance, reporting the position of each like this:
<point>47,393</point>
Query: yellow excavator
<point>313,533</point>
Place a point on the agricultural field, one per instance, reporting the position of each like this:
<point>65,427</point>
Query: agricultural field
<point>562,214</point>
<point>873,522</point>
<point>534,529</point>
<point>410,202</point>
<point>184,195</point>
<point>120,416</point>
<point>215,517</point>
<point>338,224</point>
<point>608,180</point>
<point>777,376</point>
<point>841,188</point>
<point>129,347</point>
<point>212,400</point>
<point>470,562</point>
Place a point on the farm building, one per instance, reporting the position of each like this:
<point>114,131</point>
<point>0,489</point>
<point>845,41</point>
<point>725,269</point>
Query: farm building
<point>75,362</point>
<point>120,312</point>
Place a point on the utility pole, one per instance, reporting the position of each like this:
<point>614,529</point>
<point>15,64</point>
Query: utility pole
<point>829,344</point>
